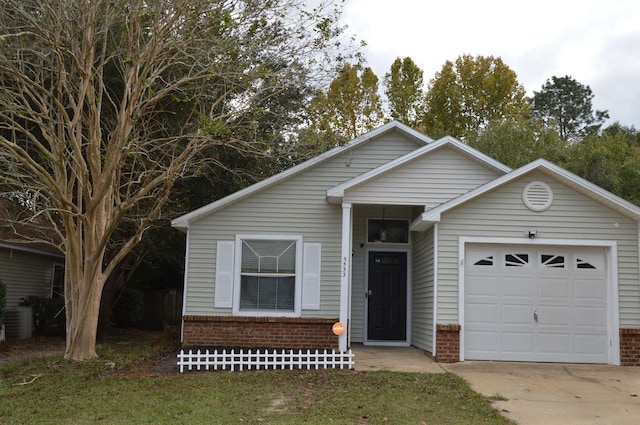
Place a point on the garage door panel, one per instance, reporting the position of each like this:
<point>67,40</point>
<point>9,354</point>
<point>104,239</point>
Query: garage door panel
<point>554,343</point>
<point>553,287</point>
<point>483,314</point>
<point>554,315</point>
<point>516,314</point>
<point>542,304</point>
<point>484,286</point>
<point>590,316</point>
<point>591,345</point>
<point>517,286</point>
<point>517,342</point>
<point>483,341</point>
<point>586,289</point>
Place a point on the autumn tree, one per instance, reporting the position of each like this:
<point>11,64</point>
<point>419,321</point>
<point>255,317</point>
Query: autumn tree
<point>517,141</point>
<point>106,105</point>
<point>566,105</point>
<point>349,107</point>
<point>465,95</point>
<point>403,86</point>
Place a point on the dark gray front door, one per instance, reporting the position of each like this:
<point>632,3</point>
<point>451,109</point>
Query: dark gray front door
<point>387,296</point>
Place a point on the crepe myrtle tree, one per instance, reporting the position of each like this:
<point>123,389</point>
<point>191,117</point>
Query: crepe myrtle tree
<point>105,105</point>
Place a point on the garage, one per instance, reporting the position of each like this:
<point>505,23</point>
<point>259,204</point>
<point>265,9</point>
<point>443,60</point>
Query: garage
<point>535,303</point>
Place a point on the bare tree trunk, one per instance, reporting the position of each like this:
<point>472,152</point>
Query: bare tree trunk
<point>82,327</point>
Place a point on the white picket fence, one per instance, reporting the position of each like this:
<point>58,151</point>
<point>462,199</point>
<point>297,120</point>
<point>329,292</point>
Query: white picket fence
<point>239,360</point>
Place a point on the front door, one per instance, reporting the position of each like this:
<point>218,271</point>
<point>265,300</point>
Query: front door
<point>387,296</point>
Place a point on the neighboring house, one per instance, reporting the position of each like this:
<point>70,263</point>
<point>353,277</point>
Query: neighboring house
<point>27,269</point>
<point>410,241</point>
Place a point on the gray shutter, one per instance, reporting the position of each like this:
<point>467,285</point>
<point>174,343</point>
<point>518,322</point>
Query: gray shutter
<point>224,274</point>
<point>311,276</point>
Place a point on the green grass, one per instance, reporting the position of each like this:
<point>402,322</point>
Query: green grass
<point>130,393</point>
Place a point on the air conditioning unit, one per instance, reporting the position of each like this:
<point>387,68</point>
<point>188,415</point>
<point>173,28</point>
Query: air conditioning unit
<point>18,322</point>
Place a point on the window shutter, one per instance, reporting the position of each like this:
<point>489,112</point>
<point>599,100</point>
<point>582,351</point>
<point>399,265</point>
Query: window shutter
<point>311,276</point>
<point>224,274</point>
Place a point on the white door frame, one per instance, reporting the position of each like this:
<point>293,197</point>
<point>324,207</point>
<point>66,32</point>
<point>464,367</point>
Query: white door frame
<point>611,256</point>
<point>407,341</point>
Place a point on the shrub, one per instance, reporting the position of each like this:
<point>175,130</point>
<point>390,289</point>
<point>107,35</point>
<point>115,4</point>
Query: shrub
<point>3,301</point>
<point>48,314</point>
<point>129,308</point>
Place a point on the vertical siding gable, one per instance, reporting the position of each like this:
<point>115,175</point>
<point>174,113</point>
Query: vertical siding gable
<point>430,180</point>
<point>502,213</point>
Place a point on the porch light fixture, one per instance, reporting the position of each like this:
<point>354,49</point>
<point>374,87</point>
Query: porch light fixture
<point>383,228</point>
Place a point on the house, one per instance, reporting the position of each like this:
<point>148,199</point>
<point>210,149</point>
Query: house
<point>27,268</point>
<point>404,240</point>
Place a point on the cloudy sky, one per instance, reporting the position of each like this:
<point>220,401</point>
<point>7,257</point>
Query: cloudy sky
<point>596,42</point>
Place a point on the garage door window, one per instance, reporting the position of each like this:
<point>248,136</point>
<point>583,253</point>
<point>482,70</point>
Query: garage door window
<point>584,265</point>
<point>552,261</point>
<point>516,260</point>
<point>486,261</point>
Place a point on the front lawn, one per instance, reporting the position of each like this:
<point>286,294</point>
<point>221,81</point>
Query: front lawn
<point>53,391</point>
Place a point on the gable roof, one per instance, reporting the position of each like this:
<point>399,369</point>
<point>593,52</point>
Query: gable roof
<point>28,235</point>
<point>569,179</point>
<point>183,222</point>
<point>336,193</point>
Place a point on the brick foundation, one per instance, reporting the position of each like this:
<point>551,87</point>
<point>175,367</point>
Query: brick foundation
<point>448,343</point>
<point>630,347</point>
<point>258,332</point>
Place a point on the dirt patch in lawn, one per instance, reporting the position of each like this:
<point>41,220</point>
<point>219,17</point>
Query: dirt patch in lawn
<point>13,350</point>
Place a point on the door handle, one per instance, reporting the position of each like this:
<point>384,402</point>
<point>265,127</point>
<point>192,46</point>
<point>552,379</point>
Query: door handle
<point>535,316</point>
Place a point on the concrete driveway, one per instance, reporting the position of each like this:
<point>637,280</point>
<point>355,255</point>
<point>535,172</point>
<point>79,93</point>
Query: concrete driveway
<point>557,393</point>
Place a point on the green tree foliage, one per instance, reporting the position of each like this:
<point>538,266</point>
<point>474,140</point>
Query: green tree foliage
<point>106,105</point>
<point>465,96</point>
<point>609,161</point>
<point>403,86</point>
<point>518,141</point>
<point>351,106</point>
<point>630,133</point>
<point>566,105</point>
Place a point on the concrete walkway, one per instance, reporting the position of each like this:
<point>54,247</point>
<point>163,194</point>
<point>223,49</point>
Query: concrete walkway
<point>538,393</point>
<point>529,393</point>
<point>395,359</point>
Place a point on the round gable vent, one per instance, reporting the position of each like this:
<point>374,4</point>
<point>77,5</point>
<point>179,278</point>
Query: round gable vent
<point>537,196</point>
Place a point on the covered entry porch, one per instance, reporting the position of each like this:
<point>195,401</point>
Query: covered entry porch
<point>387,277</point>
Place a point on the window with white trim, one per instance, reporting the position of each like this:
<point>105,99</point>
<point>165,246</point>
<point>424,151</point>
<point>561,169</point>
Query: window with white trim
<point>57,281</point>
<point>270,269</point>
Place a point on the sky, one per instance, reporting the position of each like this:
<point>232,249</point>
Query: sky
<point>595,42</point>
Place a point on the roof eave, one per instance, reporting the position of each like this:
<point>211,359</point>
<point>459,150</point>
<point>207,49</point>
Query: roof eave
<point>424,222</point>
<point>183,221</point>
<point>587,188</point>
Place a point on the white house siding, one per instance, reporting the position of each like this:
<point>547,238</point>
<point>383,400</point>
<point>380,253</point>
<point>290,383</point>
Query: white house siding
<point>429,180</point>
<point>297,206</point>
<point>502,213</point>
<point>423,289</point>
<point>25,274</point>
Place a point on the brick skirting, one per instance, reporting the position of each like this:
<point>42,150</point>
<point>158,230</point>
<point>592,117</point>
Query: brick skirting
<point>259,332</point>
<point>630,347</point>
<point>447,343</point>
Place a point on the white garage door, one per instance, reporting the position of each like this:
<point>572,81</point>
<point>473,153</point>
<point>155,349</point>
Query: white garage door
<point>535,303</point>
